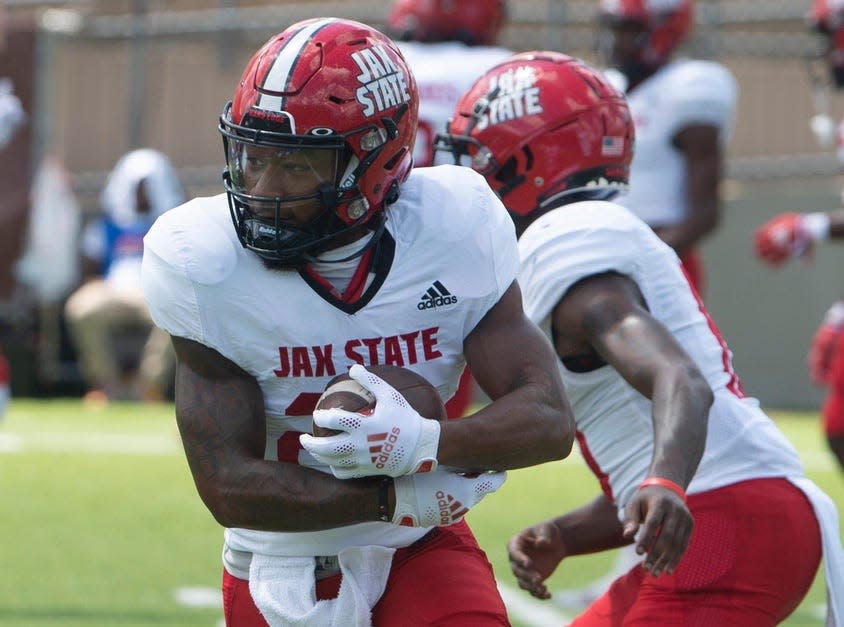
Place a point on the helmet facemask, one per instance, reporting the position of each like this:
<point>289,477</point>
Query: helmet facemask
<point>284,189</point>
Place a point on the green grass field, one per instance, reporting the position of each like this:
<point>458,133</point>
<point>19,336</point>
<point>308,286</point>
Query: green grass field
<point>101,525</point>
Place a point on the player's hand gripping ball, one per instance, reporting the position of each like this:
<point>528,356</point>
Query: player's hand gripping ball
<point>343,392</point>
<point>399,435</point>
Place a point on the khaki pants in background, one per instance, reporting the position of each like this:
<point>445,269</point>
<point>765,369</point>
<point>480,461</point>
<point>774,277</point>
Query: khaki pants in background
<point>99,318</point>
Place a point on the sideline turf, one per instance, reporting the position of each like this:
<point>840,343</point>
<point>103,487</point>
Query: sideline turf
<point>101,524</point>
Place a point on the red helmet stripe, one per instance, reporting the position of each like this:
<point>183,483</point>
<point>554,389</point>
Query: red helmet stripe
<point>284,64</point>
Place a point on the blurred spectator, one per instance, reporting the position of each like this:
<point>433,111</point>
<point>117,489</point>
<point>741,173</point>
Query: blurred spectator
<point>793,235</point>
<point>48,267</point>
<point>108,311</point>
<point>683,111</point>
<point>11,118</point>
<point>12,115</point>
<point>447,45</point>
<point>11,112</point>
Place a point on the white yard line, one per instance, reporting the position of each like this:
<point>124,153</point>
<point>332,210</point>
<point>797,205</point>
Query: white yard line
<point>529,611</point>
<point>80,442</point>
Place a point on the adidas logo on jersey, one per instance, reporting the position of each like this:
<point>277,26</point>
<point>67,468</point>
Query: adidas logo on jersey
<point>436,296</point>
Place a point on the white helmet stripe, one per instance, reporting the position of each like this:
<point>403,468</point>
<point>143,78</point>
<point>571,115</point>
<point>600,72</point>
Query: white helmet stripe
<point>279,73</point>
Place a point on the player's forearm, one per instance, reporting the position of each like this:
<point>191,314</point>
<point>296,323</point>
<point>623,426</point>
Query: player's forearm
<point>836,224</point>
<point>526,427</point>
<point>688,233</point>
<point>681,402</point>
<point>591,528</point>
<point>278,496</point>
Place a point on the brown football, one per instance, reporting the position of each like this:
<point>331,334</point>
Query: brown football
<point>346,393</point>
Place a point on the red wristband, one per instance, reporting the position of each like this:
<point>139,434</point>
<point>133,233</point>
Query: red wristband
<point>664,483</point>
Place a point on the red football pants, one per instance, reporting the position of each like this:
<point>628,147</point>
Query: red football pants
<point>833,407</point>
<point>753,555</point>
<point>443,579</point>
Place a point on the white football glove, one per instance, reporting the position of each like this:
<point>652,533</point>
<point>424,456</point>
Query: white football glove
<point>441,498</point>
<point>394,440</point>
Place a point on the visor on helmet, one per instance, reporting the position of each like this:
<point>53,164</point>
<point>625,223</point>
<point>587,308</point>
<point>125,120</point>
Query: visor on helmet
<point>283,187</point>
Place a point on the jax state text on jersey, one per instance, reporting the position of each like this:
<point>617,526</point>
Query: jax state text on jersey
<point>318,361</point>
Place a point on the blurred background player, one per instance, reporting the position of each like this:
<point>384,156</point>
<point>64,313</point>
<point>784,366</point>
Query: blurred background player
<point>107,312</point>
<point>12,117</point>
<point>448,44</point>
<point>661,416</point>
<point>793,235</point>
<point>318,258</point>
<point>683,110</point>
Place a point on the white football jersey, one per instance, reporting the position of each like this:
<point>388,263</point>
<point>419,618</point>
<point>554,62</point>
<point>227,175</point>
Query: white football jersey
<point>583,239</point>
<point>448,255</point>
<point>682,93</point>
<point>444,72</point>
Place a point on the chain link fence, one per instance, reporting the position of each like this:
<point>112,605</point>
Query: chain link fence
<point>120,74</point>
<point>111,75</point>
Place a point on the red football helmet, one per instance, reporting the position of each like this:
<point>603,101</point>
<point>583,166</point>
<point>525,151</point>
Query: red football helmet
<point>337,97</point>
<point>474,22</point>
<point>827,17</point>
<point>543,126</point>
<point>666,22</point>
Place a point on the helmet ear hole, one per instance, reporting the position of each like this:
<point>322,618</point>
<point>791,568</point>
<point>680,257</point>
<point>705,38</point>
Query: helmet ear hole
<point>507,171</point>
<point>396,158</point>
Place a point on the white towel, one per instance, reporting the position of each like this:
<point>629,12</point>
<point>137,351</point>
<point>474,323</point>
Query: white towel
<point>284,588</point>
<point>833,553</point>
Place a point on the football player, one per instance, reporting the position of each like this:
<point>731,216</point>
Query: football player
<point>682,109</point>
<point>791,235</point>
<point>688,465</point>
<point>327,251</point>
<point>448,45</point>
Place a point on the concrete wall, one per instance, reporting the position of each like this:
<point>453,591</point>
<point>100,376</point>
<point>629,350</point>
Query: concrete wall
<point>768,316</point>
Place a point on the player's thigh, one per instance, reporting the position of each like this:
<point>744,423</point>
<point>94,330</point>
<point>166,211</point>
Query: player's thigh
<point>446,580</point>
<point>753,555</point>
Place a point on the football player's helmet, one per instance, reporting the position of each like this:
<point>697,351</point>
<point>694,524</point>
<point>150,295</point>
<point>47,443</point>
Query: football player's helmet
<point>474,22</point>
<point>827,18</point>
<point>325,112</point>
<point>543,127</point>
<point>666,23</point>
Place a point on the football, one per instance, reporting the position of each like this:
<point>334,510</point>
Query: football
<point>345,393</point>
